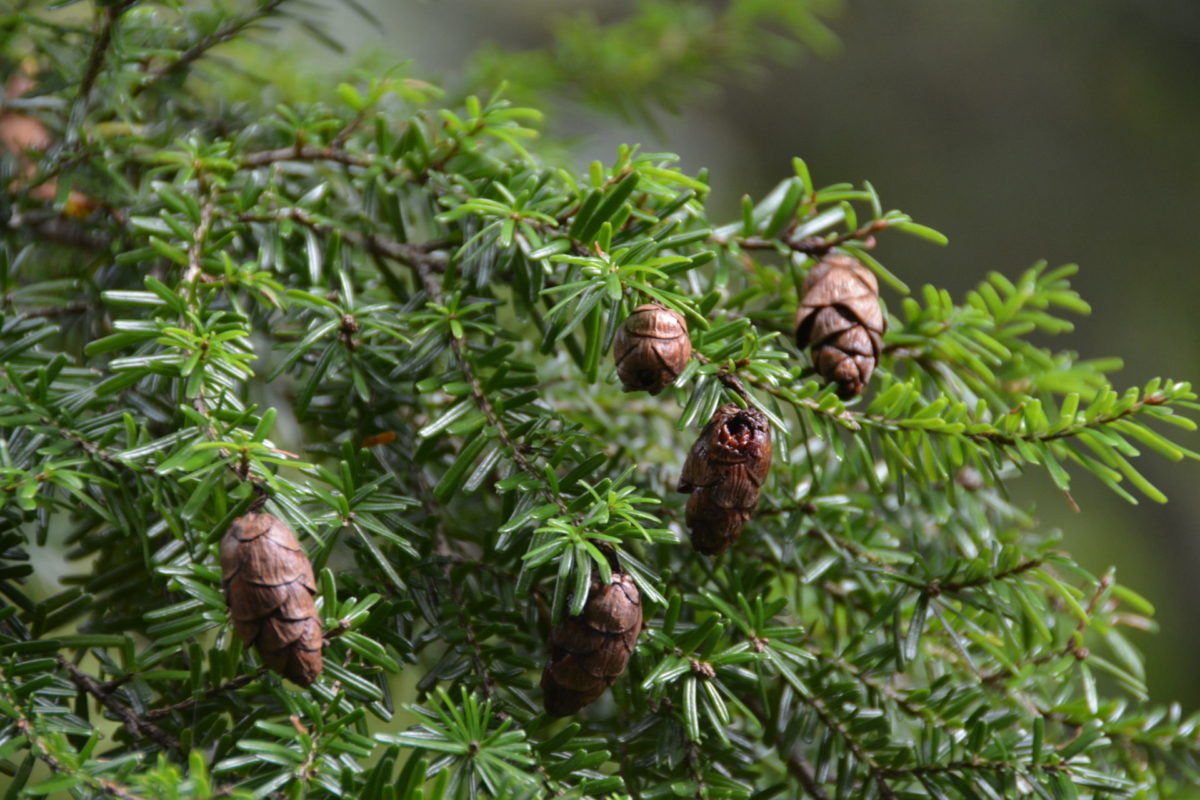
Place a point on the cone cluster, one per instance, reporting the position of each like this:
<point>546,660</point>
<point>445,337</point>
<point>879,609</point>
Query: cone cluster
<point>268,579</point>
<point>588,652</point>
<point>841,320</point>
<point>269,588</point>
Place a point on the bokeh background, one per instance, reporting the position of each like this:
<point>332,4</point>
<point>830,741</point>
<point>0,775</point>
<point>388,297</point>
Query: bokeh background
<point>1024,130</point>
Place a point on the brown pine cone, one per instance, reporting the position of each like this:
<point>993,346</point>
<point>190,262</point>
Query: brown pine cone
<point>724,472</point>
<point>840,317</point>
<point>651,348</point>
<point>269,587</point>
<point>589,652</point>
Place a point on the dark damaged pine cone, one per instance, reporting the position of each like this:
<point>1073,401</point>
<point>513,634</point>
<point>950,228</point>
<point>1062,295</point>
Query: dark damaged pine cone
<point>724,472</point>
<point>651,348</point>
<point>269,587</point>
<point>840,317</point>
<point>589,652</point>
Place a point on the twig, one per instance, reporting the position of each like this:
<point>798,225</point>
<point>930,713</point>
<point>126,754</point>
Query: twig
<point>100,47</point>
<point>241,468</point>
<point>693,762</point>
<point>970,766</point>
<point>91,448</point>
<point>216,691</point>
<point>406,253</point>
<point>199,236</point>
<point>797,765</point>
<point>855,421</point>
<point>809,245</point>
<point>472,640</point>
<point>885,689</point>
<point>816,246</point>
<point>421,259</point>
<point>936,587</point>
<point>106,786</point>
<point>434,289</point>
<point>333,152</point>
<point>792,508</point>
<point>726,377</point>
<point>485,405</point>
<point>133,723</point>
<point>1073,647</point>
<point>52,226</point>
<point>733,382</point>
<point>803,772</point>
<point>223,34</point>
<point>834,724</point>
<point>73,307</point>
<point>39,748</point>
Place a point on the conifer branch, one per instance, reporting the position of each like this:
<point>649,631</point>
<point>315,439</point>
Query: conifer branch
<point>793,759</point>
<point>936,587</point>
<point>87,445</point>
<point>211,694</point>
<point>434,289</point>
<point>199,236</point>
<point>105,786</point>
<point>226,33</point>
<point>100,46</point>
<point>433,304</point>
<point>861,754</point>
<point>802,771</point>
<point>132,722</point>
<point>966,767</point>
<point>28,728</point>
<point>307,152</point>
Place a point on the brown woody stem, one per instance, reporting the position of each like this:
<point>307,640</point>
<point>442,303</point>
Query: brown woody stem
<point>133,723</point>
<point>100,47</point>
<point>223,34</point>
<point>216,691</point>
<point>797,765</point>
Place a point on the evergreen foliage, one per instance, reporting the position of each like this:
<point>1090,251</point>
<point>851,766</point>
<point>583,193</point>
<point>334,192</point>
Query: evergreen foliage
<point>388,316</point>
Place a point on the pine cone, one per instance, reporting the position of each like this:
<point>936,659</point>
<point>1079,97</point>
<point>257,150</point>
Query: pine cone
<point>724,472</point>
<point>269,587</point>
<point>589,652</point>
<point>840,317</point>
<point>651,348</point>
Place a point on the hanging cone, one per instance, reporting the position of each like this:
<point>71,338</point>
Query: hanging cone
<point>841,319</point>
<point>269,587</point>
<point>651,348</point>
<point>589,652</point>
<point>724,473</point>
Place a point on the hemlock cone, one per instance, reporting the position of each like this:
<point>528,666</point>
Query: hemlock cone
<point>651,348</point>
<point>269,587</point>
<point>724,472</point>
<point>589,652</point>
<point>840,317</point>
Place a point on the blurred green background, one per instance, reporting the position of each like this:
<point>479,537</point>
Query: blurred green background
<point>1023,129</point>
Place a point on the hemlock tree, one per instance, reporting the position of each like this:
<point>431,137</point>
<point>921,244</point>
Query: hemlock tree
<point>385,316</point>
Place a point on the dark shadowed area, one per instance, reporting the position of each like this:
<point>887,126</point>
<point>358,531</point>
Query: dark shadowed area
<point>1024,130</point>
